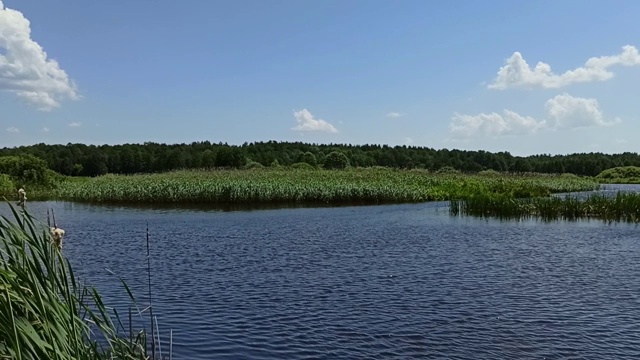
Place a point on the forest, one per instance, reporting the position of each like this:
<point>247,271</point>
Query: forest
<point>150,157</point>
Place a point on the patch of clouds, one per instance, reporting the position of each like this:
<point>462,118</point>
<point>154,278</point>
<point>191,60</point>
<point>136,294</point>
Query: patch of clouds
<point>408,141</point>
<point>12,129</point>
<point>517,73</point>
<point>25,69</point>
<point>45,129</point>
<point>563,112</point>
<point>75,124</point>
<point>568,112</point>
<point>308,123</point>
<point>395,115</point>
<point>493,124</point>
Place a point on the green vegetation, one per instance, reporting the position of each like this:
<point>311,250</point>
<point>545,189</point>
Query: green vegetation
<point>91,160</point>
<point>230,157</point>
<point>7,187</point>
<point>622,207</point>
<point>25,170</point>
<point>620,175</point>
<point>286,185</point>
<point>44,312</point>
<point>336,160</point>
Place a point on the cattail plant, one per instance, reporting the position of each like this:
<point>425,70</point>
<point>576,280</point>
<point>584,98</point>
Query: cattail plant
<point>45,313</point>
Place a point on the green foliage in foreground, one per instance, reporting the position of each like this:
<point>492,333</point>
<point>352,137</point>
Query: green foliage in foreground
<point>622,207</point>
<point>620,175</point>
<point>277,185</point>
<point>44,312</point>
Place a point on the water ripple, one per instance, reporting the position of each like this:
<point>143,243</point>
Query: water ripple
<point>387,282</point>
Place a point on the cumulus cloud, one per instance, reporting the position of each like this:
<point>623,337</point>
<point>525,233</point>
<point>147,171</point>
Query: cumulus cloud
<point>493,124</point>
<point>307,123</point>
<point>563,112</point>
<point>25,69</point>
<point>75,124</point>
<point>45,129</point>
<point>518,74</point>
<point>13,130</point>
<point>408,141</point>
<point>395,114</point>
<point>566,112</point>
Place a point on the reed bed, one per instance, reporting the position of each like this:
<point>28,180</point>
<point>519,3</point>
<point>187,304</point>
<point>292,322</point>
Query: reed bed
<point>44,312</point>
<point>369,185</point>
<point>624,207</point>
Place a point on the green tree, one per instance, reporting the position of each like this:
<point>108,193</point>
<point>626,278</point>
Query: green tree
<point>6,185</point>
<point>336,160</point>
<point>208,158</point>
<point>95,164</point>
<point>231,157</point>
<point>522,165</point>
<point>25,169</point>
<point>309,158</point>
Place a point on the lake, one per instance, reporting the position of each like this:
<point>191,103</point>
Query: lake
<point>365,282</point>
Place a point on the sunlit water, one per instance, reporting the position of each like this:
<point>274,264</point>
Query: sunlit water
<point>369,282</point>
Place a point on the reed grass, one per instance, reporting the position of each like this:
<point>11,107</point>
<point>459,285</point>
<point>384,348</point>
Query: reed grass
<point>45,313</point>
<point>360,185</point>
<point>624,207</point>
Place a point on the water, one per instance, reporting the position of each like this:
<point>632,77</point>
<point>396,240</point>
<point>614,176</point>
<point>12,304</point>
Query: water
<point>609,190</point>
<point>370,282</point>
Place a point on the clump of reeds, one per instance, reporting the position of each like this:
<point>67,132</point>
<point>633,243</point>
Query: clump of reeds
<point>359,185</point>
<point>44,312</point>
<point>624,207</point>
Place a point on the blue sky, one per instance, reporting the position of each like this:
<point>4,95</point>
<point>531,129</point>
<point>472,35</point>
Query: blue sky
<point>456,74</point>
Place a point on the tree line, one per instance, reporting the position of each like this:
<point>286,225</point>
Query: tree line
<point>151,157</point>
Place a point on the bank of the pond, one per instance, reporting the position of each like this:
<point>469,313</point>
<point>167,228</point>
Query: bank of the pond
<point>360,185</point>
<point>621,207</point>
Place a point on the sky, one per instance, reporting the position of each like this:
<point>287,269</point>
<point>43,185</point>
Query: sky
<point>535,77</point>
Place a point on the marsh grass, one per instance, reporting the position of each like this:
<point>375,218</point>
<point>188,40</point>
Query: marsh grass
<point>45,313</point>
<point>278,186</point>
<point>624,207</point>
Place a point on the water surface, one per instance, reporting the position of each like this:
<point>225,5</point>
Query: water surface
<point>367,282</point>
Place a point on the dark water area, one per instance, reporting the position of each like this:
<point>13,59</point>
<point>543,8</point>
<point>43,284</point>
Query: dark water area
<point>365,282</point>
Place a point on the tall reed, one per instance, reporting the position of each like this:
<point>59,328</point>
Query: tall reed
<point>623,207</point>
<point>45,313</point>
<point>370,185</point>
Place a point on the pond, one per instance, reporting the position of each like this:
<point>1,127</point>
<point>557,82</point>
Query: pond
<point>366,282</point>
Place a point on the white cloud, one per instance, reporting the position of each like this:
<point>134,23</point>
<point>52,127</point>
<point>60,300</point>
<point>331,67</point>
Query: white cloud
<point>493,124</point>
<point>307,123</point>
<point>13,130</point>
<point>45,129</point>
<point>24,67</point>
<point>408,141</point>
<point>518,74</point>
<point>568,112</point>
<point>75,124</point>
<point>563,112</point>
<point>395,114</point>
